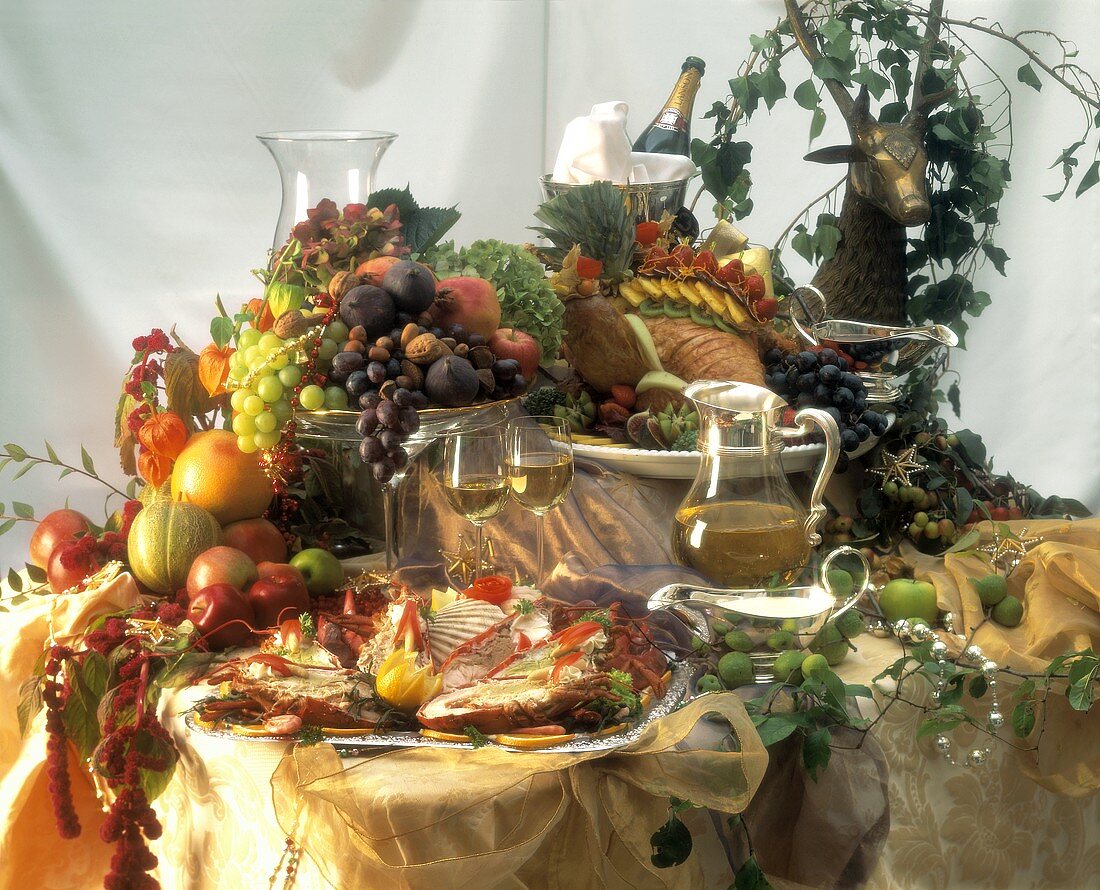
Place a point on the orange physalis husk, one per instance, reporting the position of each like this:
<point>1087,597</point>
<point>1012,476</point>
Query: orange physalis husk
<point>265,319</point>
<point>214,368</point>
<point>154,468</point>
<point>163,433</point>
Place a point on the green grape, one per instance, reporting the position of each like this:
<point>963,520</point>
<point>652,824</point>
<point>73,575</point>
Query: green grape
<point>266,422</point>
<point>267,440</point>
<point>253,405</point>
<point>270,342</point>
<point>337,331</point>
<point>237,399</point>
<point>311,397</point>
<point>282,410</point>
<point>246,444</point>
<point>253,356</point>
<point>248,338</point>
<point>279,362</point>
<point>236,360</point>
<point>244,425</point>
<point>336,398</point>
<point>290,376</point>
<point>238,374</point>
<point>327,349</point>
<point>269,389</point>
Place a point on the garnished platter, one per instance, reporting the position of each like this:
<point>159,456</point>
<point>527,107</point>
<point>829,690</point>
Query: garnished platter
<point>500,664</point>
<point>662,464</point>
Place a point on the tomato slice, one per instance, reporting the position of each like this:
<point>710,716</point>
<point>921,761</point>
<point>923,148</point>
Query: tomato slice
<point>588,267</point>
<point>523,642</point>
<point>493,589</point>
<point>576,635</point>
<point>564,662</point>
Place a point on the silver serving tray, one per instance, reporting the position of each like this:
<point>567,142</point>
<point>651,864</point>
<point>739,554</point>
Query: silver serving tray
<point>358,746</point>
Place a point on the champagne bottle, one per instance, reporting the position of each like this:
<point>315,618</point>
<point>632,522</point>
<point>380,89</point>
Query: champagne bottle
<point>670,132</point>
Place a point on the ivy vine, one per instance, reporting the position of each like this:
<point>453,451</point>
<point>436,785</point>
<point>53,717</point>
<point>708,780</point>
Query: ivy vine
<point>876,44</point>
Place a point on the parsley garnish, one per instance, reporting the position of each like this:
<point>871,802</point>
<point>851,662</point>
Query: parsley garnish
<point>310,735</point>
<point>476,737</point>
<point>525,607</point>
<point>309,629</point>
<point>599,616</point>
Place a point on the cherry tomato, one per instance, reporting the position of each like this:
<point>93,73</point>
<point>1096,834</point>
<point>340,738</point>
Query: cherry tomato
<point>493,589</point>
<point>588,267</point>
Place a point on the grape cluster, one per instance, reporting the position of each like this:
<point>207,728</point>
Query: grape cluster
<point>864,354</point>
<point>385,425</point>
<point>263,406</point>
<point>821,378</point>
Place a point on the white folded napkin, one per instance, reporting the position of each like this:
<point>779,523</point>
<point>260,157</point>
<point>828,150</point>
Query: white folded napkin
<point>596,147</point>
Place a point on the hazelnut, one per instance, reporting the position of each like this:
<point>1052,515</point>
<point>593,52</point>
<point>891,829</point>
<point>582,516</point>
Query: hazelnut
<point>354,346</point>
<point>378,354</point>
<point>358,333</point>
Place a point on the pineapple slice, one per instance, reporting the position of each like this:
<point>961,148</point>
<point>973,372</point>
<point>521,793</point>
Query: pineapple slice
<point>654,286</point>
<point>712,296</point>
<point>633,293</point>
<point>735,312</point>
<point>689,293</point>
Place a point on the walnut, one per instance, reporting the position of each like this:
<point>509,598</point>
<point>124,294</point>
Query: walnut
<point>341,283</point>
<point>293,324</point>
<point>425,349</point>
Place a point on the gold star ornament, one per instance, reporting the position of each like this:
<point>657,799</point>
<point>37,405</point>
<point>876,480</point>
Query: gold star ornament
<point>1006,551</point>
<point>899,467</point>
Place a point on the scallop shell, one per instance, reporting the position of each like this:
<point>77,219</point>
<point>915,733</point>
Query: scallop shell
<point>458,622</point>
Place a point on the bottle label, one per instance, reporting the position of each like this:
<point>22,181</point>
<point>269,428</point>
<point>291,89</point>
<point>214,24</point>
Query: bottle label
<point>671,119</point>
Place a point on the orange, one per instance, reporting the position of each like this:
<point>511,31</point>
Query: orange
<point>213,473</point>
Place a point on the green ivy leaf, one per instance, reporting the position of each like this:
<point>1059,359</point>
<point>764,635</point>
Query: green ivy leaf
<point>805,94</point>
<point>816,751</point>
<point>1091,177</point>
<point>826,240</point>
<point>803,245</point>
<point>1023,719</point>
<point>750,877</point>
<point>774,728</point>
<point>671,843</point>
<point>817,123</point>
<point>79,716</point>
<point>1026,75</point>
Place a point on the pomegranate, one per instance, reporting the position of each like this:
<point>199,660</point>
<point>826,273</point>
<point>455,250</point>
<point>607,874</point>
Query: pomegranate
<point>470,302</point>
<point>55,528</point>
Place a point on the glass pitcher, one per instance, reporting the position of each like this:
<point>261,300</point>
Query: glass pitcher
<point>316,164</point>
<point>741,524</point>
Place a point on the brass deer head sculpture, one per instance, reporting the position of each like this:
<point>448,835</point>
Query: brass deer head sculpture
<point>887,189</point>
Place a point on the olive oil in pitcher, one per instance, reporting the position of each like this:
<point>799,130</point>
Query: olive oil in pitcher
<point>741,543</point>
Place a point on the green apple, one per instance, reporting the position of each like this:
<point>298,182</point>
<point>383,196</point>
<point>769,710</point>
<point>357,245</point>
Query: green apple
<point>815,666</point>
<point>902,598</point>
<point>322,570</point>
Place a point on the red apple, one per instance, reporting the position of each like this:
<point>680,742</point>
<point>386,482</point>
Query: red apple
<point>510,343</point>
<point>279,570</point>
<point>224,613</point>
<point>55,527</point>
<point>221,565</point>
<point>82,564</point>
<point>281,593</point>
<point>258,539</point>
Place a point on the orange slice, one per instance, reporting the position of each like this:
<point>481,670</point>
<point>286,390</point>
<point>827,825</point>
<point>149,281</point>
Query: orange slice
<point>359,730</point>
<point>531,742</point>
<point>611,730</point>
<point>445,736</point>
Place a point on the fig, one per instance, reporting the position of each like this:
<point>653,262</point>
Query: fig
<point>368,307</point>
<point>451,382</point>
<point>411,285</point>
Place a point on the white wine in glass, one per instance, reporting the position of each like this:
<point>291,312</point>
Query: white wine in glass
<point>474,477</point>
<point>540,469</point>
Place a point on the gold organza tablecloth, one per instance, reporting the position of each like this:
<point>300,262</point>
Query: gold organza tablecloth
<point>889,814</point>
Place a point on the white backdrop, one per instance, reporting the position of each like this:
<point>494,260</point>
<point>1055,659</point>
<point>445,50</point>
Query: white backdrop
<point>132,189</point>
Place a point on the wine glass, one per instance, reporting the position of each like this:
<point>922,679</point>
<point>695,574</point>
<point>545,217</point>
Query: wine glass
<point>475,478</point>
<point>540,469</point>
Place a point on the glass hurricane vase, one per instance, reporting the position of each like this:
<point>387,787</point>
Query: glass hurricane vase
<point>317,164</point>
